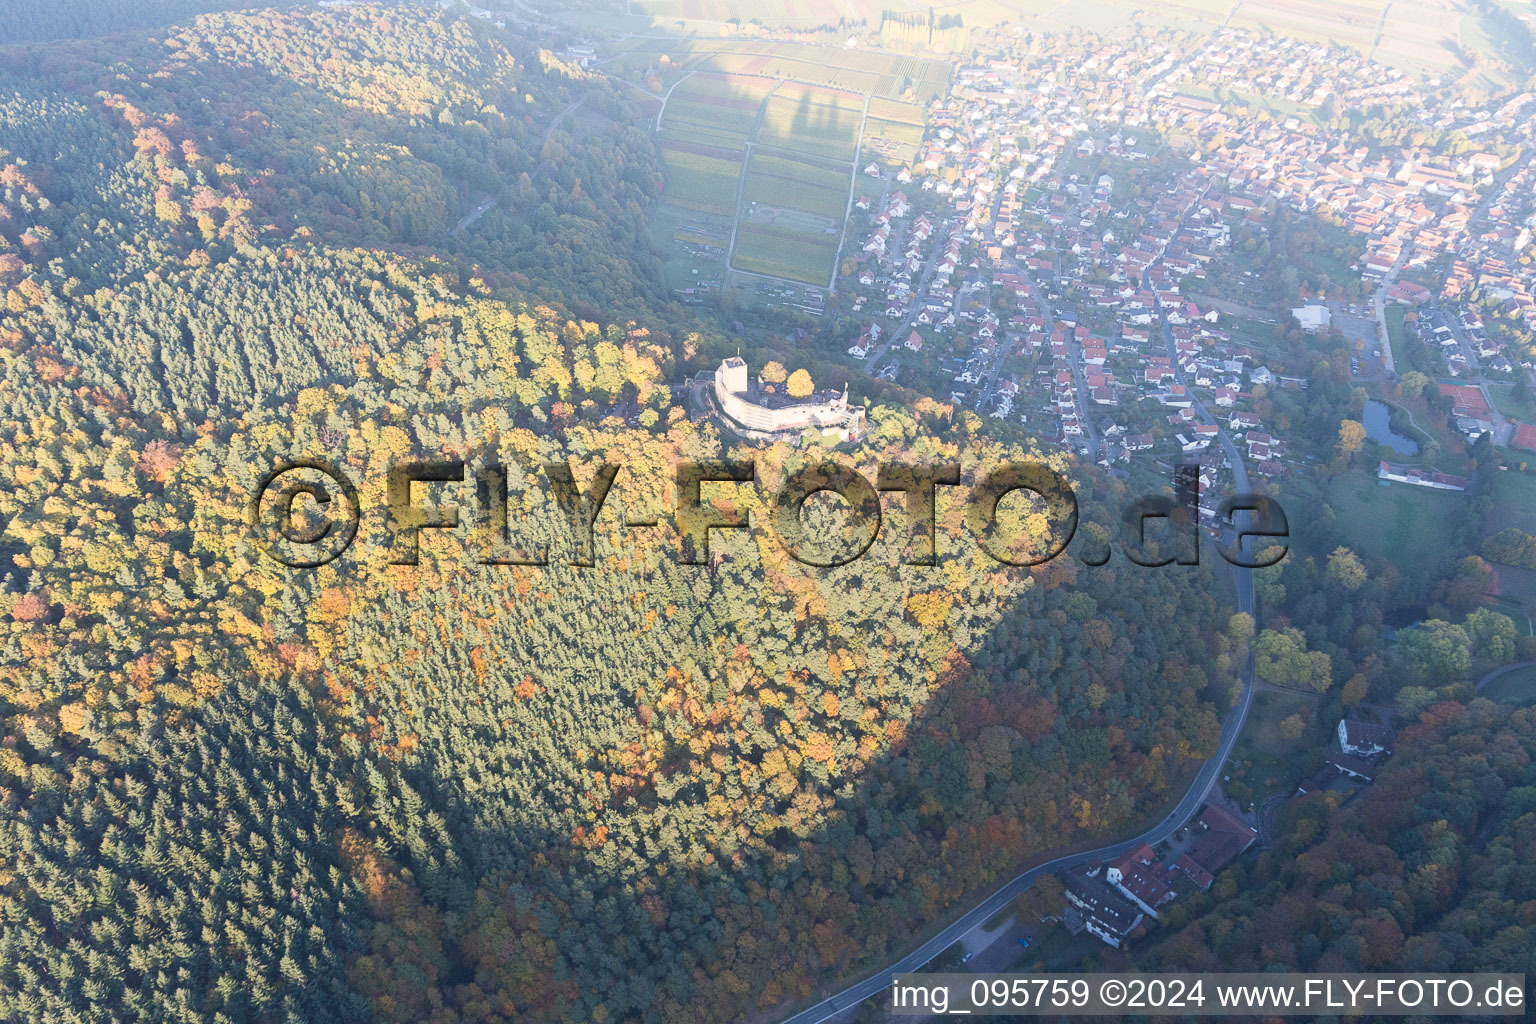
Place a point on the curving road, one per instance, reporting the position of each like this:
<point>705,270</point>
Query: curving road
<point>895,335</point>
<point>1074,356</point>
<point>1502,670</point>
<point>1000,899</point>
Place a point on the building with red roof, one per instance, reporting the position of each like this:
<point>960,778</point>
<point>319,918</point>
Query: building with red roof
<point>1139,877</point>
<point>1225,837</point>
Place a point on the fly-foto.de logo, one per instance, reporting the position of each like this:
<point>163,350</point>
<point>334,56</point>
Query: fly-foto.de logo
<point>305,513</point>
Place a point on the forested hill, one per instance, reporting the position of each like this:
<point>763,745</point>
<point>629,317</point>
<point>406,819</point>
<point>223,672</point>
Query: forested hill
<point>1432,869</point>
<point>79,19</point>
<point>451,792</point>
<point>365,125</point>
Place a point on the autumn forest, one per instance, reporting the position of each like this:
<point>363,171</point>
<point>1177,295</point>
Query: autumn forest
<point>644,791</point>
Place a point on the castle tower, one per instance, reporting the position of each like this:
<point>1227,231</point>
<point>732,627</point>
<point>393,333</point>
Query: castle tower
<point>733,375</point>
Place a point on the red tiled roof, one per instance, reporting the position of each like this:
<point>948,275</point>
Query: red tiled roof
<point>1225,838</point>
<point>1196,873</point>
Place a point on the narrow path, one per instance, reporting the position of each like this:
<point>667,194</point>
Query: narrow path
<point>632,85</point>
<point>1379,308</point>
<point>894,336</point>
<point>668,96</point>
<point>741,179</point>
<point>1409,413</point>
<point>1381,28</point>
<point>853,177</point>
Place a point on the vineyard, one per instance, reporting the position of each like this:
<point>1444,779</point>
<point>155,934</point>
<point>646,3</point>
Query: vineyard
<point>714,109</point>
<point>785,252</point>
<point>701,178</point>
<point>798,184</point>
<point>805,13</point>
<point>812,120</point>
<point>799,107</point>
<point>918,80</point>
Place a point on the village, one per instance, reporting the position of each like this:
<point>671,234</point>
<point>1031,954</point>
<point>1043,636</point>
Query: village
<point>1051,259</point>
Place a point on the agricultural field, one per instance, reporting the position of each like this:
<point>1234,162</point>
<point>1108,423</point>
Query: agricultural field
<point>893,131</point>
<point>897,111</point>
<point>797,109</point>
<point>798,184</point>
<point>813,120</point>
<point>694,244</point>
<point>1419,35</point>
<point>1347,22</point>
<point>892,141</point>
<point>793,13</point>
<point>711,109</point>
<point>1479,36</point>
<point>782,248</point>
<point>913,79</point>
<point>701,178</point>
<point>993,12</point>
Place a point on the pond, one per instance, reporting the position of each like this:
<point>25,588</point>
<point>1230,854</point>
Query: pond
<point>1378,427</point>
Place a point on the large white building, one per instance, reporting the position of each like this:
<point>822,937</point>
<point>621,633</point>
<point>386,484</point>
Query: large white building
<point>770,409</point>
<point>1312,318</point>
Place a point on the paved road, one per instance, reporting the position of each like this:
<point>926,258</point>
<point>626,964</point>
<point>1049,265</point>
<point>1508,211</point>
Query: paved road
<point>1185,809</point>
<point>1074,357</point>
<point>550,128</point>
<point>899,331</point>
<point>1503,430</point>
<point>994,904</point>
<point>626,82</point>
<point>489,202</point>
<point>472,216</point>
<point>1496,673</point>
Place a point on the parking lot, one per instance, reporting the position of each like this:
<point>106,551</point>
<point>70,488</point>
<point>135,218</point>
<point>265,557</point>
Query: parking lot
<point>1356,322</point>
